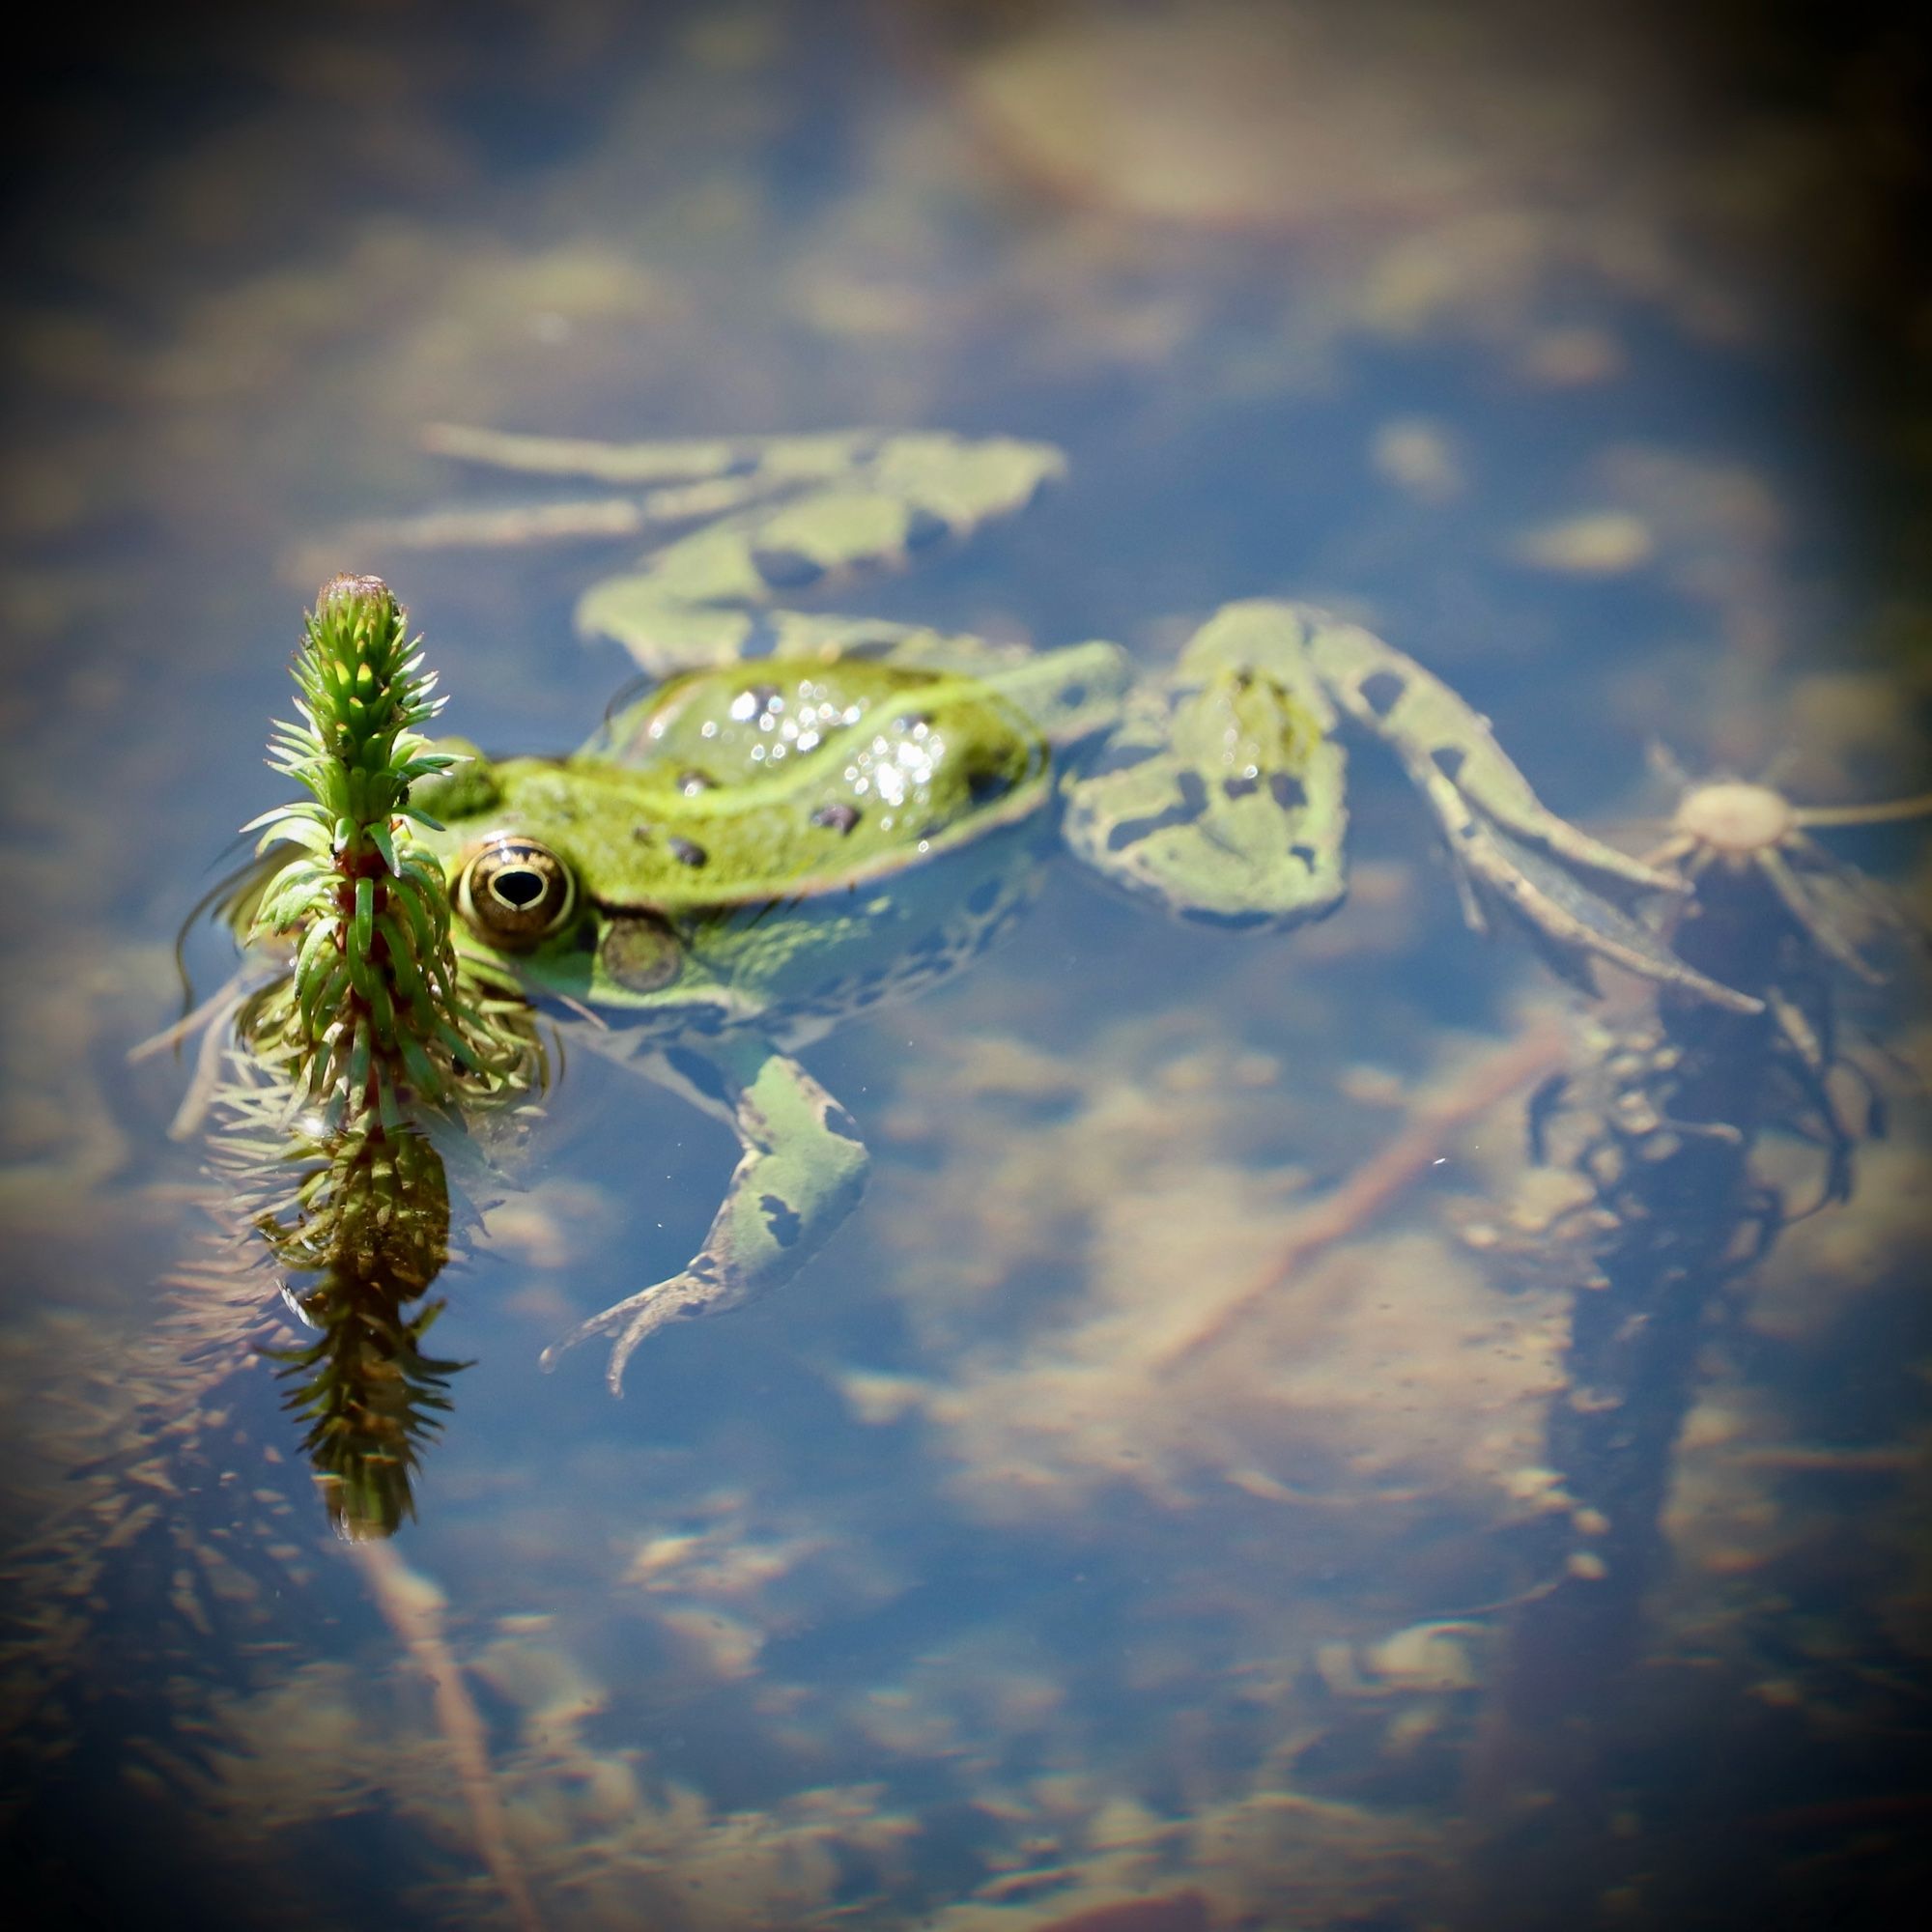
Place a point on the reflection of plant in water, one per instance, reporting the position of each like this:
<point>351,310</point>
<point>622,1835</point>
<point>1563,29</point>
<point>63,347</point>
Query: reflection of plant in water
<point>371,1398</point>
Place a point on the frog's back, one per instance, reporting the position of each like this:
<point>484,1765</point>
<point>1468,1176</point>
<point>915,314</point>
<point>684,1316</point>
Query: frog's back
<point>783,782</point>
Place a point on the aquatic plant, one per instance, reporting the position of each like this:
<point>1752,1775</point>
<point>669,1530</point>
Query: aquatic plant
<point>372,1040</point>
<point>375,1008</point>
<point>1659,1121</point>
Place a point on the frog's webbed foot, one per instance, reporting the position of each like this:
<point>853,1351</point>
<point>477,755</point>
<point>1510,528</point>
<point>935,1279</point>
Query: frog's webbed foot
<point>1508,847</point>
<point>802,1171</point>
<point>698,1291</point>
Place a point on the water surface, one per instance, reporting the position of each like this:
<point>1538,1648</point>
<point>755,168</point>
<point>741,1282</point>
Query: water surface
<point>936,1591</point>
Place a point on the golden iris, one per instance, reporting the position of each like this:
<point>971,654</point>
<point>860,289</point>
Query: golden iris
<point>515,891</point>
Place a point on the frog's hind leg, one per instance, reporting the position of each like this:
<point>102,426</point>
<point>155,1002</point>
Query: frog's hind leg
<point>773,516</point>
<point>801,1173</point>
<point>650,464</point>
<point>1508,847</point>
<point>717,595</point>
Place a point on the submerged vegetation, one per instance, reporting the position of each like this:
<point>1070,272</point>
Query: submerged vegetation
<point>1660,1118</point>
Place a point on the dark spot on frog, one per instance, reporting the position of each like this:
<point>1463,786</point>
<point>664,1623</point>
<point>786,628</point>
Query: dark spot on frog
<point>1287,791</point>
<point>781,1218</point>
<point>1381,690</point>
<point>691,782</point>
<point>698,1072</point>
<point>837,816</point>
<point>1305,853</point>
<point>1449,759</point>
<point>838,1121</point>
<point>686,853</point>
<point>1186,810</point>
<point>983,897</point>
<point>1074,695</point>
<point>1240,787</point>
<point>924,529</point>
<point>986,784</point>
<point>930,941</point>
<point>786,569</point>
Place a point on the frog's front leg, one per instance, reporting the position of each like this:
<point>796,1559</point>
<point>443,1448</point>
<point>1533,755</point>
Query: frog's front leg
<point>802,1171</point>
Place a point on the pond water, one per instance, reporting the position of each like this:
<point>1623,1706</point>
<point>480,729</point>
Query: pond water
<point>1134,1520</point>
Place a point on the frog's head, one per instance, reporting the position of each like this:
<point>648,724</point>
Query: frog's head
<point>527,897</point>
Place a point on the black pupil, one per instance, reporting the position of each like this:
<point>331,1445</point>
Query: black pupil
<point>520,886</point>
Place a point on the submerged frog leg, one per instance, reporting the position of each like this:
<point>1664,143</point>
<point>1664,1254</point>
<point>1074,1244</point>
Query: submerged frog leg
<point>776,516</point>
<point>668,460</point>
<point>1506,843</point>
<point>520,526</point>
<point>1220,797</point>
<point>712,597</point>
<point>801,1174</point>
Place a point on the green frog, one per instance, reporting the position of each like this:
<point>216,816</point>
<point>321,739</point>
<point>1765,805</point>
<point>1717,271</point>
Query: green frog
<point>808,815</point>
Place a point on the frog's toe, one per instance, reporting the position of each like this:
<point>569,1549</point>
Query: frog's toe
<point>635,1318</point>
<point>1572,923</point>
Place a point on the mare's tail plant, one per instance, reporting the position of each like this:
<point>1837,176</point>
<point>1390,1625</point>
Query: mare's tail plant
<point>372,1036</point>
<point>375,1012</point>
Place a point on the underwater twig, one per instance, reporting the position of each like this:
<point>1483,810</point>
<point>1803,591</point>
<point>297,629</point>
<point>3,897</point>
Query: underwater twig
<point>1393,1167</point>
<point>411,1605</point>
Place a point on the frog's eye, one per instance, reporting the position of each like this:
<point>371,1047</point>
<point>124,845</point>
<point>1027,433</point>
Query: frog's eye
<point>515,891</point>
